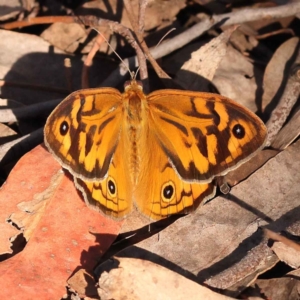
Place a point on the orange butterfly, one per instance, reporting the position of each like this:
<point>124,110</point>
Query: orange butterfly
<point>159,151</point>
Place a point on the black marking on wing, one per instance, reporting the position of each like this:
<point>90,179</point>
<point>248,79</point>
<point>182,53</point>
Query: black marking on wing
<point>196,201</point>
<point>177,125</point>
<point>201,141</point>
<point>215,116</point>
<point>79,113</point>
<point>104,124</point>
<point>195,113</point>
<point>90,135</point>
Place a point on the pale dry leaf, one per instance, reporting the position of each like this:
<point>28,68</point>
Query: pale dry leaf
<point>24,59</point>
<point>6,133</point>
<point>128,278</point>
<point>236,78</point>
<point>66,37</point>
<point>287,254</point>
<point>204,63</point>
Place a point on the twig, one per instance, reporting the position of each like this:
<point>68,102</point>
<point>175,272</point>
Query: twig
<point>139,36</point>
<point>275,32</point>
<point>36,21</point>
<point>280,238</point>
<point>142,13</point>
<point>88,61</point>
<point>68,72</point>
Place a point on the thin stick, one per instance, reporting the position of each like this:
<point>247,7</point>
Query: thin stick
<point>89,60</point>
<point>140,55</point>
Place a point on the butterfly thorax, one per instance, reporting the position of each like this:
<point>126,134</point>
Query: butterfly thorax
<point>135,116</point>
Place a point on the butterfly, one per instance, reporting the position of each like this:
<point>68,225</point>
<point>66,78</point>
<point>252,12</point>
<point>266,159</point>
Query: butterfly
<point>158,152</point>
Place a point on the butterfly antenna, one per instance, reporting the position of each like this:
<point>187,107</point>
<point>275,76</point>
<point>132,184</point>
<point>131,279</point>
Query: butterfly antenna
<point>135,73</point>
<point>111,48</point>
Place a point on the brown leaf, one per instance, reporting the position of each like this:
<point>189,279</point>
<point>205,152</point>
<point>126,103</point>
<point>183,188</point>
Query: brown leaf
<point>286,287</point>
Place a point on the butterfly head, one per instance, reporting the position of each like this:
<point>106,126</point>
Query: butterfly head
<point>133,85</point>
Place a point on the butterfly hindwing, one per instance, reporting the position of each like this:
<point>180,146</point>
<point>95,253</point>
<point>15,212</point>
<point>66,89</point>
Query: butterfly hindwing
<point>112,195</point>
<point>160,191</point>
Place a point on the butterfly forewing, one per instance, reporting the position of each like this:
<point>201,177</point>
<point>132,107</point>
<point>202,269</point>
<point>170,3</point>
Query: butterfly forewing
<point>83,131</point>
<point>204,134</point>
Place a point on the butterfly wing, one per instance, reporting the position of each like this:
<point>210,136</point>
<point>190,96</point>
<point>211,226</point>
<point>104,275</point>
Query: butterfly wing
<point>83,131</point>
<point>203,134</point>
<point>111,196</point>
<point>159,191</point>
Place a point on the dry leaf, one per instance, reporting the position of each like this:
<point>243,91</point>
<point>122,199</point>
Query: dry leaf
<point>128,278</point>
<point>236,78</point>
<point>276,71</point>
<point>286,287</point>
<point>63,233</point>
<point>199,70</point>
<point>64,36</point>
